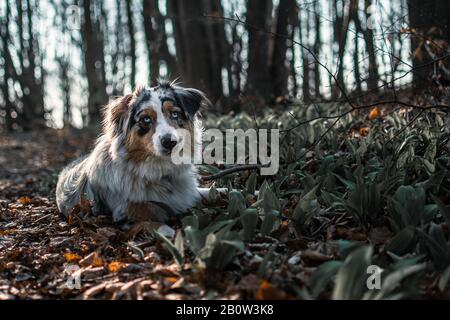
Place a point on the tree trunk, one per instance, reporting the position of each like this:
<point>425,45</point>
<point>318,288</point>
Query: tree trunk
<point>152,35</point>
<point>430,21</point>
<point>286,12</point>
<point>117,56</point>
<point>306,89</point>
<point>219,47</point>
<point>94,62</point>
<point>293,60</point>
<point>7,105</point>
<point>341,31</point>
<point>29,74</point>
<point>132,47</point>
<point>259,16</point>
<point>316,48</point>
<point>372,82</point>
<point>195,56</point>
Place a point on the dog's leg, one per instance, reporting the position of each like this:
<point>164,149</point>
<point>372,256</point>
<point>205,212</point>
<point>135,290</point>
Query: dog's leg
<point>148,216</point>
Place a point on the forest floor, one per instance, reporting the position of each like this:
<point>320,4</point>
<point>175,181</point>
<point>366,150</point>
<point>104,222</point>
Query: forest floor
<point>361,195</point>
<point>40,249</point>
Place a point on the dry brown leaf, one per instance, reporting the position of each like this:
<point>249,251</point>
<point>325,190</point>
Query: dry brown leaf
<point>171,280</point>
<point>24,200</point>
<point>6,232</point>
<point>315,256</point>
<point>363,131</point>
<point>116,266</point>
<point>72,257</point>
<point>267,291</point>
<point>374,113</point>
<point>92,259</point>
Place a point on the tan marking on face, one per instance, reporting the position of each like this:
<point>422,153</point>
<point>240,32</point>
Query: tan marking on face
<point>167,108</point>
<point>139,141</point>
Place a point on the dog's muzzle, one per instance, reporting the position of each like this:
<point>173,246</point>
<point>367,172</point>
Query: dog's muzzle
<point>168,142</point>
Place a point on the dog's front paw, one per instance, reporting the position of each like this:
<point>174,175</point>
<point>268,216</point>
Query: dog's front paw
<point>166,231</point>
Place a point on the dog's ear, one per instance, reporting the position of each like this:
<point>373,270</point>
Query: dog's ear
<point>191,100</point>
<point>115,112</point>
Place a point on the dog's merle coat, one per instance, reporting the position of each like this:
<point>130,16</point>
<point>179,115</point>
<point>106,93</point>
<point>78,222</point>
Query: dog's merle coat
<point>130,165</point>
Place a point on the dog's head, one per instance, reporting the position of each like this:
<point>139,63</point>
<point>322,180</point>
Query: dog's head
<point>145,123</point>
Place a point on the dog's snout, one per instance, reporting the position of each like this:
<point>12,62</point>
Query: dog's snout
<point>168,142</point>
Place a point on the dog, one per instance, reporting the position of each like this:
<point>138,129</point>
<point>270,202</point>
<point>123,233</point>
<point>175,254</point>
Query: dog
<point>130,167</point>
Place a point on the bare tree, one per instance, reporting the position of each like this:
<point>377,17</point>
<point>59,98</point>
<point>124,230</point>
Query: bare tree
<point>342,10</point>
<point>119,54</point>
<point>94,59</point>
<point>286,13</point>
<point>132,42</point>
<point>196,55</point>
<point>7,106</point>
<point>430,21</point>
<point>28,74</point>
<point>316,47</point>
<point>306,63</point>
<point>259,18</point>
<point>156,40</point>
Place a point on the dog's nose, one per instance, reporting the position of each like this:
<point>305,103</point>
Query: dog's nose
<point>167,142</point>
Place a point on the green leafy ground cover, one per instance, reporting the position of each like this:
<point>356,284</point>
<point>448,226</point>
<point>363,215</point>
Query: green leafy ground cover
<point>369,189</point>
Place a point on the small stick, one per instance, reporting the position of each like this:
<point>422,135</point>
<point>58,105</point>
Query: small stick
<point>230,171</point>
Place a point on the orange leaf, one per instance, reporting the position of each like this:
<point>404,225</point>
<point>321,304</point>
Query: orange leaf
<point>6,232</point>
<point>115,266</point>
<point>71,257</point>
<point>267,291</point>
<point>374,113</point>
<point>24,200</point>
<point>363,131</point>
<point>92,259</point>
<point>172,279</point>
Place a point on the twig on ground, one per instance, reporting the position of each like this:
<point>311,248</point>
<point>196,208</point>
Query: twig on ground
<point>228,171</point>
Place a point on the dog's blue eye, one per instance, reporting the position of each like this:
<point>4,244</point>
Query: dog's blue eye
<point>174,114</point>
<point>147,120</point>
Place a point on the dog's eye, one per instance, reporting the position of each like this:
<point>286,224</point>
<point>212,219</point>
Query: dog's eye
<point>147,120</point>
<point>174,115</point>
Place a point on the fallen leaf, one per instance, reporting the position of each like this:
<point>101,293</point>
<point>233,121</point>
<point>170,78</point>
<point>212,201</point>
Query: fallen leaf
<point>374,113</point>
<point>171,280</point>
<point>363,131</point>
<point>92,259</point>
<point>71,257</point>
<point>315,256</point>
<point>6,232</point>
<point>267,291</point>
<point>24,200</point>
<point>116,266</point>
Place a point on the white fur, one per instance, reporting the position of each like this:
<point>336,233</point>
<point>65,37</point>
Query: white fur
<point>112,181</point>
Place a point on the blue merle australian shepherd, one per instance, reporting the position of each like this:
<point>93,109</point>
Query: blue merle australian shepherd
<point>130,166</point>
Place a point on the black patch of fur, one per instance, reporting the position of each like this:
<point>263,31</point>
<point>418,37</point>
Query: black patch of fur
<point>190,100</point>
<point>143,130</point>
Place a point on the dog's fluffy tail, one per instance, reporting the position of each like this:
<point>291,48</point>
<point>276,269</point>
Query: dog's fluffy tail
<point>71,185</point>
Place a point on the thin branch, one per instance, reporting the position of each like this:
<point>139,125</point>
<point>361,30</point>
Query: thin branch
<point>228,171</point>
